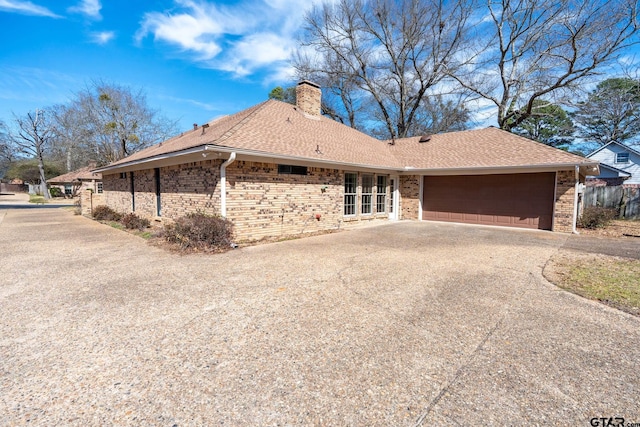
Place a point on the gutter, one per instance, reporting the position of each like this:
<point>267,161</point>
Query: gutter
<point>574,223</point>
<point>223,184</point>
<point>470,170</point>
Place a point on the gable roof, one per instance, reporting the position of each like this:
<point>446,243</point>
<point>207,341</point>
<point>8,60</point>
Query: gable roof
<point>277,130</point>
<point>82,174</point>
<point>626,147</point>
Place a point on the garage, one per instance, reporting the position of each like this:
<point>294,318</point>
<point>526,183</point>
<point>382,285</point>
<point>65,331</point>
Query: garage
<point>522,200</point>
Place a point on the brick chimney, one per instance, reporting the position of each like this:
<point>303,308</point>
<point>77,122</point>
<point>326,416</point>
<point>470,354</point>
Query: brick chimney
<point>308,97</point>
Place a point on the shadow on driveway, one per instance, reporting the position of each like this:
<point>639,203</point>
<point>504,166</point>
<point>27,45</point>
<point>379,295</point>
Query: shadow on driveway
<point>626,248</point>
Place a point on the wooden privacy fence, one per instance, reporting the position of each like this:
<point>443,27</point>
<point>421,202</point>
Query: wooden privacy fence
<point>625,199</point>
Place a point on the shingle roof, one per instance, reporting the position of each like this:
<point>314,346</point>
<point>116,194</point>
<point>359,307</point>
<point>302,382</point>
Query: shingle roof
<point>281,129</point>
<point>76,175</point>
<point>481,148</point>
<point>275,127</point>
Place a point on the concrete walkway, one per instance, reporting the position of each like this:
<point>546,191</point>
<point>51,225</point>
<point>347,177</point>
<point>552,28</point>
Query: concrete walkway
<point>404,324</point>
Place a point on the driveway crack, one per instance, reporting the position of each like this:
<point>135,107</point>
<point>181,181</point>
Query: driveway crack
<point>469,360</point>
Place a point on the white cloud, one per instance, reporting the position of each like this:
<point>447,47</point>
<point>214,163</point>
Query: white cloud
<point>244,38</point>
<point>199,104</point>
<point>102,37</point>
<point>90,8</point>
<point>26,8</point>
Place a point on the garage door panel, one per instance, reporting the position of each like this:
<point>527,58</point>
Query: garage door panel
<point>518,200</point>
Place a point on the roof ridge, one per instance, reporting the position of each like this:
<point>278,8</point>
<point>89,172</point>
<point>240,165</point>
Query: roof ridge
<point>235,128</point>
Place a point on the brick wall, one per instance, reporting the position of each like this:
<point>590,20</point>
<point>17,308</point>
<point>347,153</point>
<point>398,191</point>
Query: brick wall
<point>117,192</point>
<point>409,196</point>
<point>89,200</point>
<point>565,199</point>
<point>260,201</point>
<point>144,184</point>
<point>190,187</point>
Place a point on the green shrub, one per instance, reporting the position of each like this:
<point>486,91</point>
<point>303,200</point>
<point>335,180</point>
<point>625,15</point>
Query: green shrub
<point>105,213</point>
<point>596,217</point>
<point>200,231</point>
<point>56,192</point>
<point>132,221</point>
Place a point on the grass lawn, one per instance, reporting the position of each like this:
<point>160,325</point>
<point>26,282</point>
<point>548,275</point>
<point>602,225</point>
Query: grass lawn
<point>611,280</point>
<point>36,199</point>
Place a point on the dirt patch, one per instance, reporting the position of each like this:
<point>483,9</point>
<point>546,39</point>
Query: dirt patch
<point>617,228</point>
<point>611,280</point>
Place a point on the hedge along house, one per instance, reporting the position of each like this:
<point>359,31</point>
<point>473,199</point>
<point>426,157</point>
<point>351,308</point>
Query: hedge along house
<point>278,169</point>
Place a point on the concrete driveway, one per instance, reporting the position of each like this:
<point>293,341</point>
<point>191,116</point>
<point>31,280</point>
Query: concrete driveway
<point>403,324</point>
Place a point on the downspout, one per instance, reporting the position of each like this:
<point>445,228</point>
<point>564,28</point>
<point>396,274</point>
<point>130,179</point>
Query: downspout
<point>576,187</point>
<point>223,184</point>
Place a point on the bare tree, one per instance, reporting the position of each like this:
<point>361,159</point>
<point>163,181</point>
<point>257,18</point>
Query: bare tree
<point>74,142</point>
<point>111,122</point>
<point>381,56</point>
<point>32,137</point>
<point>527,50</point>
<point>6,150</point>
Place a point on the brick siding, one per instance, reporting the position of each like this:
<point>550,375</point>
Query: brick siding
<point>190,187</point>
<point>565,199</point>
<point>89,200</point>
<point>409,196</point>
<point>260,201</point>
<point>117,193</point>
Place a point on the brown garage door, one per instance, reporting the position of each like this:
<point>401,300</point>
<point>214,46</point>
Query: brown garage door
<point>517,200</point>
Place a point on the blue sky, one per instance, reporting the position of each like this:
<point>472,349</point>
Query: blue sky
<point>195,60</point>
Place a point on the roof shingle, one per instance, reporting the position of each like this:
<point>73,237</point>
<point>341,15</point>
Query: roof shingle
<point>278,128</point>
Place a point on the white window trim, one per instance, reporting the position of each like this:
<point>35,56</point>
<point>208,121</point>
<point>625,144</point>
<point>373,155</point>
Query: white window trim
<point>355,196</point>
<point>384,193</point>
<point>362,194</point>
<point>622,161</point>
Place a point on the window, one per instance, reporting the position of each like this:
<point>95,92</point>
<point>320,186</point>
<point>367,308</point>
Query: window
<point>123,175</point>
<point>381,194</point>
<point>99,185</point>
<point>292,170</point>
<point>350,188</point>
<point>367,194</point>
<point>68,189</point>
<point>622,157</point>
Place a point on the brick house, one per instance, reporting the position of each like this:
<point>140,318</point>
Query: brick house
<point>278,169</point>
<point>74,182</point>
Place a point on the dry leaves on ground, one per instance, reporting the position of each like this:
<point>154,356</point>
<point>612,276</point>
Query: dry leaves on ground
<point>617,228</point>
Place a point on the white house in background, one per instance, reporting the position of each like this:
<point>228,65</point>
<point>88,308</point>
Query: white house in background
<point>617,161</point>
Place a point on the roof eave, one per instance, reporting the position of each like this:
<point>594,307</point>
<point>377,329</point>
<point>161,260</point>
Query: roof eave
<point>249,154</point>
<point>486,170</point>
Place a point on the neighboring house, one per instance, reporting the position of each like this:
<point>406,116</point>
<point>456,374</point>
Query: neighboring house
<point>619,165</point>
<point>72,183</point>
<point>278,169</point>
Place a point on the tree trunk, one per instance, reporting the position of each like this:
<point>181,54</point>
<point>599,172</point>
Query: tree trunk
<point>43,179</point>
